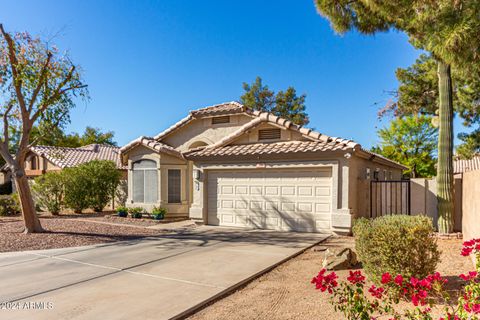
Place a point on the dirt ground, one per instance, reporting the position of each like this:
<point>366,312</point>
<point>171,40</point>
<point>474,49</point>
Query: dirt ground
<point>286,292</point>
<point>65,231</point>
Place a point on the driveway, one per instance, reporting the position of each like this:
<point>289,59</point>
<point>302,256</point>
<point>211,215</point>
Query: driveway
<point>154,278</point>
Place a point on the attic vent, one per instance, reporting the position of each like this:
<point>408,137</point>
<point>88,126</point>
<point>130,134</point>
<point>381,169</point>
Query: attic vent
<point>218,120</point>
<point>269,134</point>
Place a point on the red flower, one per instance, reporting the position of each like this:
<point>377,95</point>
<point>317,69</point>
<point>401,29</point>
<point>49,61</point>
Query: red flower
<point>466,251</point>
<point>399,279</point>
<point>470,276</point>
<point>376,292</point>
<point>325,282</point>
<point>414,281</point>
<point>356,277</point>
<point>386,278</point>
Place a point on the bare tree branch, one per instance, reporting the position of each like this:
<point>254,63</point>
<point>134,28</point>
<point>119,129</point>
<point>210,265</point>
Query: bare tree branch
<point>6,138</point>
<point>42,79</point>
<point>52,125</point>
<point>17,82</point>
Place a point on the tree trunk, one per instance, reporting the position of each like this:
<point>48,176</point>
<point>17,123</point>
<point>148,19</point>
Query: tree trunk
<point>32,223</point>
<point>445,150</point>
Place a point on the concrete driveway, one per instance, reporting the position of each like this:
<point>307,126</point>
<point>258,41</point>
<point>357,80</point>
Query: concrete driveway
<point>154,278</point>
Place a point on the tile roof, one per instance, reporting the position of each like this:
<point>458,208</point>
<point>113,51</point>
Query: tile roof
<point>152,144</point>
<point>464,165</point>
<point>267,149</point>
<point>231,107</point>
<point>64,157</point>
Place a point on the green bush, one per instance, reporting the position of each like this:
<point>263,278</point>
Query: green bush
<point>398,244</point>
<point>104,179</point>
<point>136,212</point>
<point>8,206</point>
<point>91,185</point>
<point>77,188</point>
<point>48,190</point>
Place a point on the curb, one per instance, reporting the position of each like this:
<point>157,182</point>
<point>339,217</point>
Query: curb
<point>241,284</point>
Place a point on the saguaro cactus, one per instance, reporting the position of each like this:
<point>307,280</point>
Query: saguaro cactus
<point>445,150</point>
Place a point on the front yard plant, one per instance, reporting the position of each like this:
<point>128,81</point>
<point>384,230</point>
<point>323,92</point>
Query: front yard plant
<point>136,212</point>
<point>8,205</point>
<point>103,178</point>
<point>122,212</point>
<point>159,213</point>
<point>397,244</point>
<point>48,191</point>
<point>358,301</point>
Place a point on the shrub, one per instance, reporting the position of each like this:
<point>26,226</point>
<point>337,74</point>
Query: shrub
<point>136,212</point>
<point>77,188</point>
<point>122,212</point>
<point>103,178</point>
<point>8,206</point>
<point>49,189</point>
<point>159,213</point>
<point>397,244</point>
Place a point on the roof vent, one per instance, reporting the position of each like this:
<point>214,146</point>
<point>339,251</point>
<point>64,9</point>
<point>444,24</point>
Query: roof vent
<point>269,134</point>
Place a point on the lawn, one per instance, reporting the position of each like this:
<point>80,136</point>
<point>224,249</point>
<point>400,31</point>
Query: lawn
<point>286,292</point>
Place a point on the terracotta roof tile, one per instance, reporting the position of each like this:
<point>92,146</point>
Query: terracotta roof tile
<point>219,109</point>
<point>152,144</point>
<point>70,157</point>
<point>463,165</point>
<point>268,149</point>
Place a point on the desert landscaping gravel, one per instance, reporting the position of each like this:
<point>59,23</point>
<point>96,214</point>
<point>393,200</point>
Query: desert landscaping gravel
<point>64,232</point>
<point>286,292</point>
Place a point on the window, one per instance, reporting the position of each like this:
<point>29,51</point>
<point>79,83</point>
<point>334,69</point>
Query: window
<point>145,181</point>
<point>269,134</point>
<point>218,120</point>
<point>33,163</point>
<point>174,186</point>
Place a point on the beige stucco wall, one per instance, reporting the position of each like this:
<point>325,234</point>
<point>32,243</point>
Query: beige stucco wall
<point>203,130</point>
<point>471,205</point>
<point>252,136</point>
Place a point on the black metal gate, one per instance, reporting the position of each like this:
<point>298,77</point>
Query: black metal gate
<point>389,197</point>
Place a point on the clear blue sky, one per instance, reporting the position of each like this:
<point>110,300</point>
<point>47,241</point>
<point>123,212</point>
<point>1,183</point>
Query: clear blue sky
<point>147,63</point>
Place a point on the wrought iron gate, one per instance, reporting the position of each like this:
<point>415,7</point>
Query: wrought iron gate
<point>389,197</point>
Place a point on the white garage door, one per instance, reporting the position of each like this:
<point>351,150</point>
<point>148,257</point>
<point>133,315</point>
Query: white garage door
<point>271,199</point>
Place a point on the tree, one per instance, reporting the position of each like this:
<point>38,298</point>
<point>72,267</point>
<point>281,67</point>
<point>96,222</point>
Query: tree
<point>95,135</point>
<point>418,94</point>
<point>448,30</point>
<point>285,104</point>
<point>38,85</point>
<point>411,141</point>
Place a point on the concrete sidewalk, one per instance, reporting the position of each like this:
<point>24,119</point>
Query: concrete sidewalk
<point>155,278</point>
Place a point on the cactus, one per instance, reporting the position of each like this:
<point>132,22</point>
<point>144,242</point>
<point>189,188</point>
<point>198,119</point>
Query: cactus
<point>445,150</point>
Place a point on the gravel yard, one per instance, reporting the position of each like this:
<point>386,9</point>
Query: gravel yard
<point>286,292</point>
<point>65,231</point>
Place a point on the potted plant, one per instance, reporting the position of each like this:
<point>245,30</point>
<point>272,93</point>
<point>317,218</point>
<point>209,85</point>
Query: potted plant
<point>158,213</point>
<point>122,212</point>
<point>136,212</point>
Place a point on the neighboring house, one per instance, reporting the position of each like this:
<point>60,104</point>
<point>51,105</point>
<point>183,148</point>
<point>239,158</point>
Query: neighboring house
<point>42,159</point>
<point>230,166</point>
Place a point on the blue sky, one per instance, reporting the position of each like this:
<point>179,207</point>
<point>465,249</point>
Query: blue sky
<point>147,63</point>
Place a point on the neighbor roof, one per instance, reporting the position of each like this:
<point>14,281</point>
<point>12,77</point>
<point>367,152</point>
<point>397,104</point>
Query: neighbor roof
<point>464,165</point>
<point>64,157</point>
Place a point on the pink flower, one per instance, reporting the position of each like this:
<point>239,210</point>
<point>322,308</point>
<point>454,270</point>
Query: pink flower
<point>356,277</point>
<point>414,281</point>
<point>325,282</point>
<point>470,276</point>
<point>376,292</point>
<point>386,278</point>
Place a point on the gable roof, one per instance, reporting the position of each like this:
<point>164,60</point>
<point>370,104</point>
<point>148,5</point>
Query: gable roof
<point>464,165</point>
<point>314,141</point>
<point>65,157</point>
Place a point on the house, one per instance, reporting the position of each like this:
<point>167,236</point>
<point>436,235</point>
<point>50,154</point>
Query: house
<point>228,165</point>
<point>42,159</point>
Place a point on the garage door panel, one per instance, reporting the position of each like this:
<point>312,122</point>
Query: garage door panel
<point>271,199</point>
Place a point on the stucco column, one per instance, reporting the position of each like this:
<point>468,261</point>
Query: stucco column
<point>197,209</point>
<point>341,216</point>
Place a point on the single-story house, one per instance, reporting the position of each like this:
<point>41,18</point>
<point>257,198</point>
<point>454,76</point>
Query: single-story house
<point>228,165</point>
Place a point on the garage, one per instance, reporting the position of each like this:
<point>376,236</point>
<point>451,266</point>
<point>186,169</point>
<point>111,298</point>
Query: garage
<point>296,200</point>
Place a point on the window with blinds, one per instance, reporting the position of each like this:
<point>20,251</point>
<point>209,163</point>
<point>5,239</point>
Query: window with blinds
<point>269,134</point>
<point>174,186</point>
<point>219,120</point>
<point>145,181</point>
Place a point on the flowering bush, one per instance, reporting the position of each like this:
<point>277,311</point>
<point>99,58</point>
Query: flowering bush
<point>356,300</point>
